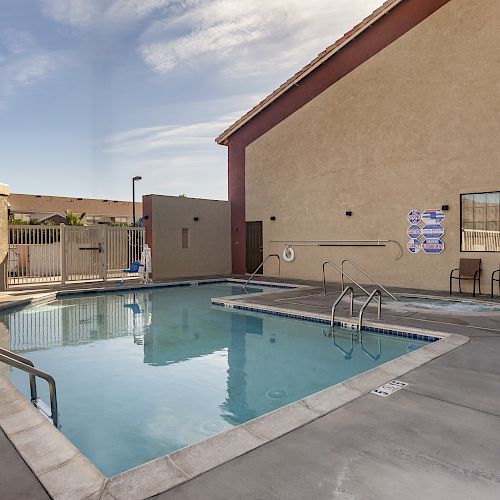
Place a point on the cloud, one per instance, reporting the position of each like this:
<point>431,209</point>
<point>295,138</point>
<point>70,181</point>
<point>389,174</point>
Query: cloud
<point>191,137</point>
<point>248,38</point>
<point>87,13</point>
<point>23,63</point>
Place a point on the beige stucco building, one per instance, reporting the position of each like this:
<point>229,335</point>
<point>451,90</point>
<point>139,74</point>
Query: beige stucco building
<point>42,208</point>
<point>401,114</point>
<point>188,236</point>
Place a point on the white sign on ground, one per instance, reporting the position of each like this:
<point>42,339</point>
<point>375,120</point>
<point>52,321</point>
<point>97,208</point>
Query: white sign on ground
<point>389,388</point>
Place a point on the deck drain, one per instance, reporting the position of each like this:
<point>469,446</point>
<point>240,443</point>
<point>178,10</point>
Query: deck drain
<point>276,394</point>
<point>387,389</point>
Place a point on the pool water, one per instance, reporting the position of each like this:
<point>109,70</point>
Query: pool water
<point>141,374</point>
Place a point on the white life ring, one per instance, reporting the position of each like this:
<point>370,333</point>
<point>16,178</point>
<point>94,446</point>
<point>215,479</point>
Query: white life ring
<point>288,254</point>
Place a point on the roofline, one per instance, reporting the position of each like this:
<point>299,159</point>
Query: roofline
<point>355,32</point>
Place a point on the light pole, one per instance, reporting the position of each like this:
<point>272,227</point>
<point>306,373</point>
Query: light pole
<point>136,178</point>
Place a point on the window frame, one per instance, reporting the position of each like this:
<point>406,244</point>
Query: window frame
<point>461,222</point>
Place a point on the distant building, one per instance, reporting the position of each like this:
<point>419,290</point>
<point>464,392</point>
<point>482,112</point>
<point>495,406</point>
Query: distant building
<point>43,209</point>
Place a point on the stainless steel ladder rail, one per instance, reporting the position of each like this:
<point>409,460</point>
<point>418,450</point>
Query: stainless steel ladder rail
<point>15,361</point>
<point>361,270</point>
<point>342,273</point>
<point>337,302</point>
<point>262,265</point>
<point>365,305</point>
<point>13,355</point>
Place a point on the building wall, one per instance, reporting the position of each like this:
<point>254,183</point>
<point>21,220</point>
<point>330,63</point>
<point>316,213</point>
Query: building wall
<point>209,251</point>
<point>4,238</point>
<point>412,128</point>
<point>40,206</point>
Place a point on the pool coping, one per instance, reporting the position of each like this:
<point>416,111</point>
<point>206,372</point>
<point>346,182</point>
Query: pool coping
<point>66,473</point>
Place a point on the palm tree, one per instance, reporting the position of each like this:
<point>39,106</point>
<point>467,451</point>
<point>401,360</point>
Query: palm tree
<point>73,219</point>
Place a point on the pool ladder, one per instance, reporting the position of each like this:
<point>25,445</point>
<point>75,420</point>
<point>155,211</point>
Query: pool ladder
<point>12,359</point>
<point>261,265</point>
<point>350,290</point>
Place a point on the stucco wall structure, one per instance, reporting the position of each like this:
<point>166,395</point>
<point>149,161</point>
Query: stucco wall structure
<point>209,240</point>
<point>411,128</point>
<point>4,237</point>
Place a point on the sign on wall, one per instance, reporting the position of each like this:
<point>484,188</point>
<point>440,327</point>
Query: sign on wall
<point>414,246</point>
<point>425,231</point>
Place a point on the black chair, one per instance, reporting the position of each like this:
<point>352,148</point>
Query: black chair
<point>470,269</point>
<point>495,279</point>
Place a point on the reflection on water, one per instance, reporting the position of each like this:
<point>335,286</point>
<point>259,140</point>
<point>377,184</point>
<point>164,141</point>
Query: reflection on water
<point>142,374</point>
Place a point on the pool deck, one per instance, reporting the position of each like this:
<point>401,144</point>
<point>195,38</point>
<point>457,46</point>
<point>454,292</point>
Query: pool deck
<point>437,438</point>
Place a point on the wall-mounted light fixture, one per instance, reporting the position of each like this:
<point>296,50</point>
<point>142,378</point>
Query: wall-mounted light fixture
<point>273,217</point>
<point>348,213</point>
<point>196,219</point>
<point>445,207</point>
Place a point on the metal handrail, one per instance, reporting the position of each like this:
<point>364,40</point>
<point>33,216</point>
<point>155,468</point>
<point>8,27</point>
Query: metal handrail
<point>29,368</point>
<point>336,303</point>
<point>262,265</point>
<point>365,305</point>
<point>341,273</point>
<point>360,269</point>
<point>26,361</point>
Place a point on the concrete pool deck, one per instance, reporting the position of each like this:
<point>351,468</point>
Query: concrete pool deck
<point>436,438</point>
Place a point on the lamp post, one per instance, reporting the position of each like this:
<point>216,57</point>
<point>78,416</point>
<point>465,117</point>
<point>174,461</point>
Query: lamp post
<point>136,178</point>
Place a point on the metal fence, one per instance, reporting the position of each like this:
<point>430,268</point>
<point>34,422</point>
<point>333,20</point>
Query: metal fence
<point>44,254</point>
<point>478,240</point>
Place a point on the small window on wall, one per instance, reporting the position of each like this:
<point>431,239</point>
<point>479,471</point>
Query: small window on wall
<point>185,237</point>
<point>480,222</point>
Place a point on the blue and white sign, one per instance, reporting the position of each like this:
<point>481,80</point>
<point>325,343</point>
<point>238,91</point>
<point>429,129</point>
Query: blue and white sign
<point>413,246</point>
<point>432,245</point>
<point>414,217</point>
<point>432,216</point>
<point>414,231</point>
<point>433,231</point>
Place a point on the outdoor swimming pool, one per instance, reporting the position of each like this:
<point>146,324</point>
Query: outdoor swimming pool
<point>141,374</point>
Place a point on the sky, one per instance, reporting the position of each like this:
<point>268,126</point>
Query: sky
<point>94,92</point>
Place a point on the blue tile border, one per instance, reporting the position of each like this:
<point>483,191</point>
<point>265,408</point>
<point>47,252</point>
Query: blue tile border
<point>312,319</point>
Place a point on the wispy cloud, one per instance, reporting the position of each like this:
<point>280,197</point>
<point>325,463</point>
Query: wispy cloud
<point>22,63</point>
<point>85,13</point>
<point>250,37</point>
<point>193,136</point>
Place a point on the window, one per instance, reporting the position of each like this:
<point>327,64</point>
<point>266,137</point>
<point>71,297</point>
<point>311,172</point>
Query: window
<point>480,222</point>
<point>185,237</point>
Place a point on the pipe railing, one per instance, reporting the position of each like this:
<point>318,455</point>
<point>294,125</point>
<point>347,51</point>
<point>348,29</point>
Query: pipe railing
<point>362,271</point>
<point>365,305</point>
<point>26,361</point>
<point>342,273</point>
<point>337,302</point>
<point>261,265</point>
<point>35,372</point>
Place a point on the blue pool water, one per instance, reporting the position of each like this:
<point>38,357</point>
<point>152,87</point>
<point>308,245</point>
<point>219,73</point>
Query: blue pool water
<point>142,374</point>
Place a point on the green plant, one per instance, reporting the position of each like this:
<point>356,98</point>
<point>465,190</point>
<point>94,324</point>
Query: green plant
<point>73,219</point>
